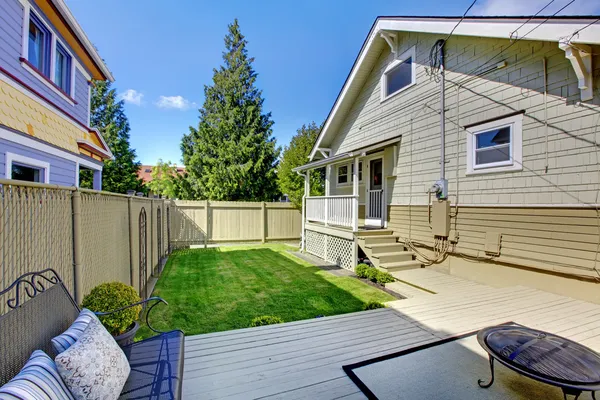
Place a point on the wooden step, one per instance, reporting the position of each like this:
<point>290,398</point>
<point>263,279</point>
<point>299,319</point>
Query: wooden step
<point>374,232</point>
<point>386,248</point>
<point>400,265</point>
<point>396,256</point>
<point>387,239</point>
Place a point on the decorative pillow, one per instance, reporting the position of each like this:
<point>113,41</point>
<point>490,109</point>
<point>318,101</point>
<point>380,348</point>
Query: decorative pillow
<point>70,336</point>
<point>94,367</point>
<point>38,380</point>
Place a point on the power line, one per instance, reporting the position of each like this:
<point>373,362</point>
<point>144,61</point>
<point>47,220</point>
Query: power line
<point>474,70</point>
<point>579,30</point>
<point>530,18</point>
<point>461,20</point>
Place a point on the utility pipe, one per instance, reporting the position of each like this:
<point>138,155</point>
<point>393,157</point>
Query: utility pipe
<point>303,236</point>
<point>442,116</point>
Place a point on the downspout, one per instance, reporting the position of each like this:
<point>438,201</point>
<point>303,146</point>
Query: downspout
<point>303,236</point>
<point>546,108</point>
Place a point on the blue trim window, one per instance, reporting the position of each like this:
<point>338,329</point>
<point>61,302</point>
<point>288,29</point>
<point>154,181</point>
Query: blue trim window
<point>39,45</point>
<point>62,69</point>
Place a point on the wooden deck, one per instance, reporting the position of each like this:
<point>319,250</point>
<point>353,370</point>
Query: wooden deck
<point>303,359</point>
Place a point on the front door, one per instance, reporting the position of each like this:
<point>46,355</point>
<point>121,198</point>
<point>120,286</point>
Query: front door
<point>375,201</point>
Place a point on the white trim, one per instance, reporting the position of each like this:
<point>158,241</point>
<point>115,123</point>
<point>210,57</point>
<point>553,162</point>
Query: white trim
<point>551,30</point>
<point>350,182</point>
<point>39,77</point>
<point>34,144</point>
<point>89,105</point>
<point>410,53</point>
<point>378,222</point>
<point>515,163</point>
<point>25,31</point>
<point>53,57</point>
<point>72,22</point>
<point>74,64</point>
<point>77,174</point>
<point>28,162</point>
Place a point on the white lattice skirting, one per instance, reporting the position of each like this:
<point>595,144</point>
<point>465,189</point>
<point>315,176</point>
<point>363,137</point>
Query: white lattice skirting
<point>330,248</point>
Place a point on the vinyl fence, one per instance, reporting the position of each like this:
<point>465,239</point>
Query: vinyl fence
<point>89,237</point>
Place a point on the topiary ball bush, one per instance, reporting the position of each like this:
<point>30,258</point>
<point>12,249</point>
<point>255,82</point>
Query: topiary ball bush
<point>372,305</point>
<point>384,277</point>
<point>372,274</point>
<point>111,296</point>
<point>361,270</point>
<point>265,320</point>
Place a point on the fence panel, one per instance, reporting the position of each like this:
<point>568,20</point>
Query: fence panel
<point>235,221</point>
<point>188,223</point>
<point>35,232</point>
<point>105,239</point>
<point>283,222</point>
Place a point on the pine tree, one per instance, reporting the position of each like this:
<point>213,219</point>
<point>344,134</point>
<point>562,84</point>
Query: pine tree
<point>108,115</point>
<point>232,154</point>
<point>295,155</point>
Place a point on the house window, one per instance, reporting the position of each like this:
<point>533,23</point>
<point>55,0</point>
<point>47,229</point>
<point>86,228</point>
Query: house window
<point>345,173</point>
<point>495,146</point>
<point>26,173</point>
<point>342,175</point>
<point>38,47</point>
<point>62,69</point>
<point>399,75</point>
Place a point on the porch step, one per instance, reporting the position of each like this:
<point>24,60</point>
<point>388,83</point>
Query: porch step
<point>383,239</point>
<point>383,248</point>
<point>374,232</point>
<point>393,257</point>
<point>400,265</point>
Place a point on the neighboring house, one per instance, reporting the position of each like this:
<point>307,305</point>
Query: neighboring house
<point>47,65</point>
<point>515,199</point>
<point>145,172</point>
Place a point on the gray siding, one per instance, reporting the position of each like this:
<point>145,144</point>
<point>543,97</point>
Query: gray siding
<point>62,172</point>
<point>11,23</point>
<point>572,175</point>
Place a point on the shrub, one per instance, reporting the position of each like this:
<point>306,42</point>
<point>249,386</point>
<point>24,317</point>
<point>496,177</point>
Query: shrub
<point>361,270</point>
<point>111,296</point>
<point>265,320</point>
<point>384,277</point>
<point>372,305</point>
<point>372,274</point>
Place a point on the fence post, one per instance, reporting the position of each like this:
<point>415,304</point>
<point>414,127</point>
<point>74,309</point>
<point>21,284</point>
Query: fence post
<point>131,233</point>
<point>264,221</point>
<point>206,216</point>
<point>77,242</point>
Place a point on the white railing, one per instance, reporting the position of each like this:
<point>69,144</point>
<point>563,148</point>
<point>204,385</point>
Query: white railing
<point>375,209</point>
<point>331,210</point>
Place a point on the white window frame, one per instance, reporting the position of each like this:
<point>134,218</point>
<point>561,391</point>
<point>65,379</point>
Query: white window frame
<point>410,53</point>
<point>27,10</point>
<point>28,162</point>
<point>515,163</point>
<point>350,174</point>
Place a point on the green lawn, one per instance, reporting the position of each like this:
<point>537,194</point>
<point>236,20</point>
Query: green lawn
<point>221,289</point>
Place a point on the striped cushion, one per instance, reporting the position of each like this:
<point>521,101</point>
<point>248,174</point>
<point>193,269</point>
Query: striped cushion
<point>38,380</point>
<point>63,341</point>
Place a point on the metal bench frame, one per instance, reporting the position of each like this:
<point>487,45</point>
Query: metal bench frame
<point>37,307</point>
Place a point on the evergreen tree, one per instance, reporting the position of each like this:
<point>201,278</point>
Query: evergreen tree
<point>295,155</point>
<point>232,154</point>
<point>108,115</point>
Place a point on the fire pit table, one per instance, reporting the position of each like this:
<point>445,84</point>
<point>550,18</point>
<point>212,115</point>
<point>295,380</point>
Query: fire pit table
<point>542,356</point>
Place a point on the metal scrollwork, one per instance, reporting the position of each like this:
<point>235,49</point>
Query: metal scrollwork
<point>32,284</point>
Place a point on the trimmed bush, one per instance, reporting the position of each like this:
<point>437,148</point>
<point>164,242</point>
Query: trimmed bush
<point>372,305</point>
<point>384,277</point>
<point>372,274</point>
<point>265,320</point>
<point>111,296</point>
<point>361,270</point>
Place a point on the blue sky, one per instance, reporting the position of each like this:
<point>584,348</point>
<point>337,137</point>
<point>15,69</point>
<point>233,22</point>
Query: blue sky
<point>162,53</point>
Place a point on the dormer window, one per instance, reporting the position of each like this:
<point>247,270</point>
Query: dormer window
<point>399,75</point>
<point>39,45</point>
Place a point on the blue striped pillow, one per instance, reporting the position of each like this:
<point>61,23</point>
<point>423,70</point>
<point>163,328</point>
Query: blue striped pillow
<point>38,380</point>
<point>66,339</point>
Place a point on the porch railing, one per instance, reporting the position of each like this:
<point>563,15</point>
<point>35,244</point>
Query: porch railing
<point>375,209</point>
<point>331,210</point>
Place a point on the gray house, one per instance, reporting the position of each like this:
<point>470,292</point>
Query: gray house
<point>47,65</point>
<point>475,153</point>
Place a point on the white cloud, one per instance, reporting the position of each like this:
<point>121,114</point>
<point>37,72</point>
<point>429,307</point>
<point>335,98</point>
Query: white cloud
<point>132,96</point>
<point>174,102</point>
<point>530,7</point>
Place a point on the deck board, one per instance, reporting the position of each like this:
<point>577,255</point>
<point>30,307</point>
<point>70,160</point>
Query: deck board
<point>303,359</point>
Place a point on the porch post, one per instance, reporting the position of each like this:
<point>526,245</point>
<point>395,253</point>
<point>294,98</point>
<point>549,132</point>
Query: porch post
<point>328,180</point>
<point>355,198</point>
<point>306,194</point>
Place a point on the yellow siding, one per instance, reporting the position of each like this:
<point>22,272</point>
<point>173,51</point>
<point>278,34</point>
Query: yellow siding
<point>20,112</point>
